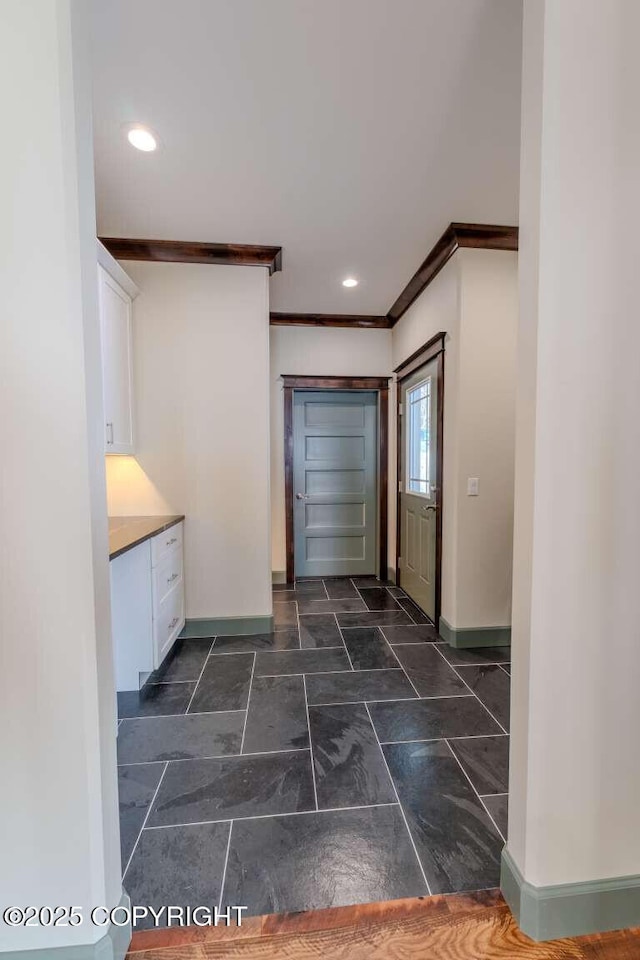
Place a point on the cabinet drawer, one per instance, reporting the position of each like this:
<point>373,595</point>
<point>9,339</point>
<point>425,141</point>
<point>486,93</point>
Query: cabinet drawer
<point>164,542</point>
<point>168,622</point>
<point>167,574</point>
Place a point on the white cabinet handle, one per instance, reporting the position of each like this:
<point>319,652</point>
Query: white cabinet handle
<point>173,624</point>
<point>173,540</point>
<point>173,577</point>
<point>109,433</point>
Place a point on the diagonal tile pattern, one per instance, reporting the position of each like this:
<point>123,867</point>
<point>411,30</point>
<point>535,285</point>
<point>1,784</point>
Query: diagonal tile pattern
<point>429,673</point>
<point>368,649</point>
<point>492,687</point>
<point>348,756</point>
<point>224,684</point>
<point>157,875</point>
<point>320,860</point>
<point>457,843</point>
<point>485,760</point>
<point>349,766</point>
<point>319,630</point>
<point>286,662</point>
<point>201,791</point>
<point>184,737</point>
<point>358,686</point>
<point>277,715</point>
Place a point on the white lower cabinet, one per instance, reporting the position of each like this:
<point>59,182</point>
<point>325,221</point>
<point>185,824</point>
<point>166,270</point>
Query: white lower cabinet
<point>168,591</point>
<point>147,606</point>
<point>132,616</point>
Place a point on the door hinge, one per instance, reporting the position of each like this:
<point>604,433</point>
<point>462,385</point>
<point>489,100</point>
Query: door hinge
<point>400,409</point>
<point>399,486</point>
<point>399,563</point>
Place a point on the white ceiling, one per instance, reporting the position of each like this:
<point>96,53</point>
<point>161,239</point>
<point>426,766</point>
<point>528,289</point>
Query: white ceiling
<point>351,132</point>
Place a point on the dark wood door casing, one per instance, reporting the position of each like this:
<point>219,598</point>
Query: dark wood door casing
<point>379,384</point>
<point>433,348</point>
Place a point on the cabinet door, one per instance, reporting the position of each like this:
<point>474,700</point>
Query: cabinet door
<point>168,622</point>
<point>115,328</point>
<point>131,616</point>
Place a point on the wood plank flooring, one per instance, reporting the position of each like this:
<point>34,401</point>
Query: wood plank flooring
<point>476,926</point>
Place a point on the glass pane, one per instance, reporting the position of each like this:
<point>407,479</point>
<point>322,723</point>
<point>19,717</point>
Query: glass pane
<point>418,439</point>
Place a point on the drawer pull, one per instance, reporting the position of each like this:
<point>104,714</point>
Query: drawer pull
<point>173,577</point>
<point>173,623</point>
<point>173,540</point>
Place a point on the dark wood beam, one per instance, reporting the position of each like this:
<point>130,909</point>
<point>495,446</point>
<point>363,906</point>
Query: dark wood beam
<point>305,382</point>
<point>488,236</point>
<point>184,251</point>
<point>479,235</point>
<point>329,320</point>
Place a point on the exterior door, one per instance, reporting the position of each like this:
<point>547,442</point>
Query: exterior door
<point>419,496</point>
<point>335,466</point>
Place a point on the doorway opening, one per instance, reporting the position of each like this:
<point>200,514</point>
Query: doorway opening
<point>420,399</point>
<point>336,476</point>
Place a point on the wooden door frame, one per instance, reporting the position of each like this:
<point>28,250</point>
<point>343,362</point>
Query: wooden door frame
<point>380,385</point>
<point>431,350</point>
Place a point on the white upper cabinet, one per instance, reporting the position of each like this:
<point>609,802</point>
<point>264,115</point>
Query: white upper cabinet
<point>117,356</point>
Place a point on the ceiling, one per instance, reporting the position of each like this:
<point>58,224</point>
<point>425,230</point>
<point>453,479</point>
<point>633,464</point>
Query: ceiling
<point>351,132</point>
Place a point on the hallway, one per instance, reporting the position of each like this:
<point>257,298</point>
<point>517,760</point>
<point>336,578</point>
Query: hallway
<point>348,757</point>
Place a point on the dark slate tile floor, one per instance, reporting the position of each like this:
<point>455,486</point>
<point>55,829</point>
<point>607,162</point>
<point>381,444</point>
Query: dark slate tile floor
<point>277,715</point>
<point>347,757</point>
<point>181,866</point>
<point>368,649</point>
<point>457,842</point>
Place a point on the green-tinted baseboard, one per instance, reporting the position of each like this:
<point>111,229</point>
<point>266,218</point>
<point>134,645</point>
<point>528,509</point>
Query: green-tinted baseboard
<point>112,946</point>
<point>226,626</point>
<point>569,909</point>
<point>474,636</point>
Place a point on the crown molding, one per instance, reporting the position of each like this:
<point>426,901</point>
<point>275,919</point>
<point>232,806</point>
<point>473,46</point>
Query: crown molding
<point>483,236</point>
<point>328,320</point>
<point>476,235</point>
<point>186,251</point>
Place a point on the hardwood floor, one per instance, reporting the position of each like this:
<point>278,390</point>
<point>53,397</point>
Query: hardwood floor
<point>476,926</point>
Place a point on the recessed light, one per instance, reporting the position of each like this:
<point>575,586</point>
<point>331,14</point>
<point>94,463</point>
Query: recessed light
<point>142,138</point>
<point>350,282</point>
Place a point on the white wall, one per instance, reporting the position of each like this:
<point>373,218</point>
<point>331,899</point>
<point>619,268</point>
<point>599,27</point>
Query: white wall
<point>474,300</point>
<point>59,813</point>
<point>486,437</point>
<point>201,356</point>
<point>575,779</point>
<point>437,310</point>
<point>314,351</point>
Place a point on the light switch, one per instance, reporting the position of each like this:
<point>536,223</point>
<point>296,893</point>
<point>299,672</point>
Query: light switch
<point>472,486</point>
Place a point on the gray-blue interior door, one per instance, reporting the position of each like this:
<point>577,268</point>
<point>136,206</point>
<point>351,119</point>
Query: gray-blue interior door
<point>335,466</point>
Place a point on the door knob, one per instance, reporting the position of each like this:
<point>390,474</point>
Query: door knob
<point>300,496</point>
<point>429,507</point>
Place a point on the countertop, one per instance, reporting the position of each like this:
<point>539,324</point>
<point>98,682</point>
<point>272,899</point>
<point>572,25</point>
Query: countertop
<point>127,532</point>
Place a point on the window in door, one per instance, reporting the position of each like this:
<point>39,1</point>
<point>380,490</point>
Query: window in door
<point>418,445</point>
